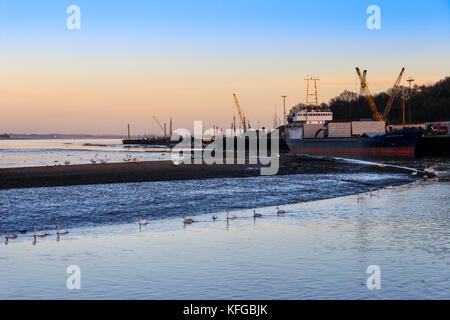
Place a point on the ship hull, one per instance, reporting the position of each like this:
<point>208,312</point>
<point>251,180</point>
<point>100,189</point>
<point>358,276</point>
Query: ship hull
<point>400,143</point>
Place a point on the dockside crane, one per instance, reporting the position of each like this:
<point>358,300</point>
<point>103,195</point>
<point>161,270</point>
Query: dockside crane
<point>377,115</point>
<point>394,92</point>
<point>241,116</point>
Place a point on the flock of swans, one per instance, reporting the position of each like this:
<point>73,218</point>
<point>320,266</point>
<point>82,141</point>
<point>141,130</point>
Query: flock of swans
<point>41,234</point>
<point>142,222</point>
<point>97,160</point>
<point>230,216</point>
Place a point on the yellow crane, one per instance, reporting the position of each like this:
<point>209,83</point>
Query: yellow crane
<point>377,115</point>
<point>394,92</point>
<point>241,116</point>
<point>161,126</point>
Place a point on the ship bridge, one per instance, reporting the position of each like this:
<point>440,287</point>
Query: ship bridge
<point>314,117</point>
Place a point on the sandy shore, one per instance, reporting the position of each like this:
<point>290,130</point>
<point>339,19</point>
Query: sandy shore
<point>50,176</point>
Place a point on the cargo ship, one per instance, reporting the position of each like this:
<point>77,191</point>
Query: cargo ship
<point>314,132</point>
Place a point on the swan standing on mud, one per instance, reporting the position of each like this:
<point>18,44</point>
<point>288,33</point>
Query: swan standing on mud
<point>95,159</point>
<point>104,161</point>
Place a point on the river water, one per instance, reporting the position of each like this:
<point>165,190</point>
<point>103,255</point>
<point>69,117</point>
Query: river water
<point>30,153</point>
<point>320,249</point>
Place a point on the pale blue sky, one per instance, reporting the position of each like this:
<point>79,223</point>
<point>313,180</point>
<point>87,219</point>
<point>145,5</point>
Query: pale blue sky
<point>199,52</point>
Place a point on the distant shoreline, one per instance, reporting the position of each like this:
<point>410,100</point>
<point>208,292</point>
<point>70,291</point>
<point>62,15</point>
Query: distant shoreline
<point>52,176</point>
<point>58,137</point>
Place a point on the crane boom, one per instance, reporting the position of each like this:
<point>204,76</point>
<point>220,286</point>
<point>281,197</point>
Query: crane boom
<point>238,107</point>
<point>375,113</point>
<point>393,94</point>
<point>160,125</point>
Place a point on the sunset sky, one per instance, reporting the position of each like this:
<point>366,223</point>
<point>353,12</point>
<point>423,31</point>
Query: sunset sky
<point>134,59</point>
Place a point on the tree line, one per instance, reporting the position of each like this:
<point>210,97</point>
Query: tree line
<point>422,104</point>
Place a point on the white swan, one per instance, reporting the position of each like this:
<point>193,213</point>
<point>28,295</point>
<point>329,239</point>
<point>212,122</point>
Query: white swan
<point>188,221</point>
<point>61,231</point>
<point>67,162</point>
<point>177,162</point>
<point>230,216</point>
<point>414,173</point>
<point>359,197</point>
<point>279,211</point>
<point>142,222</point>
<point>39,234</point>
<point>95,159</point>
<point>256,215</point>
<point>10,235</point>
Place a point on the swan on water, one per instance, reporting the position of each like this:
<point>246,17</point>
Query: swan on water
<point>230,216</point>
<point>10,235</point>
<point>188,221</point>
<point>359,197</point>
<point>256,215</point>
<point>40,233</point>
<point>142,222</point>
<point>58,231</point>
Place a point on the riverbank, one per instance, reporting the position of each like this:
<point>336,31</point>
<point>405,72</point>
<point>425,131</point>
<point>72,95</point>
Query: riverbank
<point>52,176</point>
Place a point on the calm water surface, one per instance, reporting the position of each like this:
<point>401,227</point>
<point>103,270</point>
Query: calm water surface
<point>29,153</point>
<point>319,250</point>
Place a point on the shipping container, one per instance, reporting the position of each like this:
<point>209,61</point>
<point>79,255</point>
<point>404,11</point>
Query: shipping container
<point>360,127</point>
<point>339,129</point>
<point>310,130</point>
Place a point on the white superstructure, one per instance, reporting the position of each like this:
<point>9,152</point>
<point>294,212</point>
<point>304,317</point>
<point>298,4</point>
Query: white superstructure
<point>313,117</point>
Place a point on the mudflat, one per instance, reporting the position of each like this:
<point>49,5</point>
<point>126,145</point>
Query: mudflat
<point>50,176</point>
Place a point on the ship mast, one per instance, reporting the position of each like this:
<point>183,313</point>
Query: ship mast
<point>308,94</point>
